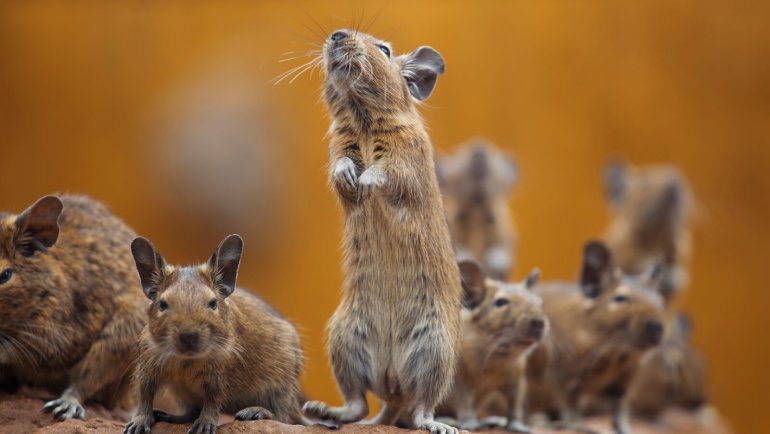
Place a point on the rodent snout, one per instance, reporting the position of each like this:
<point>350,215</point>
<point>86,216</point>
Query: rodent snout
<point>653,332</point>
<point>536,328</point>
<point>188,341</point>
<point>339,35</point>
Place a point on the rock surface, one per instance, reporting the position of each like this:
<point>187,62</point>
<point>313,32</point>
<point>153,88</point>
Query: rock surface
<point>21,415</point>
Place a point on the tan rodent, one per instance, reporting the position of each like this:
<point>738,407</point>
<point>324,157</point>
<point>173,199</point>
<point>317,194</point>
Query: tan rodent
<point>396,329</point>
<point>673,376</point>
<point>651,214</point>
<point>215,347</point>
<point>69,308</point>
<point>502,324</point>
<point>476,182</point>
<point>600,329</point>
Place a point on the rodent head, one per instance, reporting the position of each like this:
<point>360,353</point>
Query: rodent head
<point>507,316</point>
<point>477,171</point>
<point>189,314</point>
<point>654,198</point>
<point>362,70</point>
<point>622,310</point>
<point>26,269</point>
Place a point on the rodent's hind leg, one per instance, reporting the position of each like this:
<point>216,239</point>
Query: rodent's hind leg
<point>66,407</point>
<point>424,420</point>
<point>388,415</point>
<point>188,416</point>
<point>254,413</point>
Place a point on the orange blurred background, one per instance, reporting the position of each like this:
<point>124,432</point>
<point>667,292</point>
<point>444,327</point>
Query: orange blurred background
<point>165,111</point>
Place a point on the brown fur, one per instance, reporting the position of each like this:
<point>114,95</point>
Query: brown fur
<point>651,211</point>
<point>599,332</point>
<point>502,325</point>
<point>476,182</point>
<point>71,311</point>
<point>245,359</point>
<point>396,329</point>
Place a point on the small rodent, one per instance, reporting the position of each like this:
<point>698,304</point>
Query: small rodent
<point>600,329</point>
<point>502,324</point>
<point>674,376</point>
<point>476,182</point>
<point>70,310</point>
<point>651,209</point>
<point>215,347</point>
<point>396,329</point>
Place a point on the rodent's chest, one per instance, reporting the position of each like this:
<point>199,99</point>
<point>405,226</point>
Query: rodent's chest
<point>185,379</point>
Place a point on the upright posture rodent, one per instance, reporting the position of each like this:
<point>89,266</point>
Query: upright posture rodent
<point>70,311</point>
<point>500,327</point>
<point>651,208</point>
<point>396,329</point>
<point>216,348</point>
<point>599,332</point>
<point>476,182</point>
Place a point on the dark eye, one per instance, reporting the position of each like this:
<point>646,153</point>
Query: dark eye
<point>213,304</point>
<point>162,305</point>
<point>6,275</point>
<point>385,50</point>
<point>500,302</point>
<point>620,299</point>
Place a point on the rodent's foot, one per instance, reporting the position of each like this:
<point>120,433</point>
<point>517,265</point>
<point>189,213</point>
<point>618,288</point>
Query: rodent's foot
<point>319,410</point>
<point>139,425</point>
<point>254,413</point>
<point>372,178</point>
<point>516,426</point>
<point>345,173</point>
<point>436,427</point>
<point>65,408</point>
<point>203,427</point>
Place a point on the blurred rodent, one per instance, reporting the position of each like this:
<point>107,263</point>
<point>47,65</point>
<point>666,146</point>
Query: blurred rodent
<point>501,325</point>
<point>600,330</point>
<point>476,182</point>
<point>217,348</point>
<point>70,308</point>
<point>396,329</point>
<point>651,209</point>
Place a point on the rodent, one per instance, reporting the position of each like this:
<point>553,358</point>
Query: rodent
<point>651,209</point>
<point>476,182</point>
<point>70,310</point>
<point>501,325</point>
<point>600,330</point>
<point>396,329</point>
<point>215,347</point>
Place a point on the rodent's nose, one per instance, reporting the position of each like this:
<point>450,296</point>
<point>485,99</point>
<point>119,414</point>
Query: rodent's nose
<point>536,328</point>
<point>653,332</point>
<point>188,340</point>
<point>338,35</point>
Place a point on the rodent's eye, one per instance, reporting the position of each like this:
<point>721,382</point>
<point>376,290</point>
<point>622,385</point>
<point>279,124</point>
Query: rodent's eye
<point>385,50</point>
<point>620,299</point>
<point>6,275</point>
<point>500,302</point>
<point>162,305</point>
<point>213,304</point>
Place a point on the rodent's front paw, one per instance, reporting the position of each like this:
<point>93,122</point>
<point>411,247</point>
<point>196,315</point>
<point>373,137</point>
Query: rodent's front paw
<point>345,173</point>
<point>203,426</point>
<point>372,178</point>
<point>254,413</point>
<point>516,426</point>
<point>139,425</point>
<point>65,408</point>
<point>438,428</point>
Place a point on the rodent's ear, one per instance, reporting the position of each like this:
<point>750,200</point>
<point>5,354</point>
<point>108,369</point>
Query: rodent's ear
<point>150,265</point>
<point>615,180</point>
<point>224,264</point>
<point>420,69</point>
<point>473,283</point>
<point>37,228</point>
<point>532,279</point>
<point>596,274</point>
